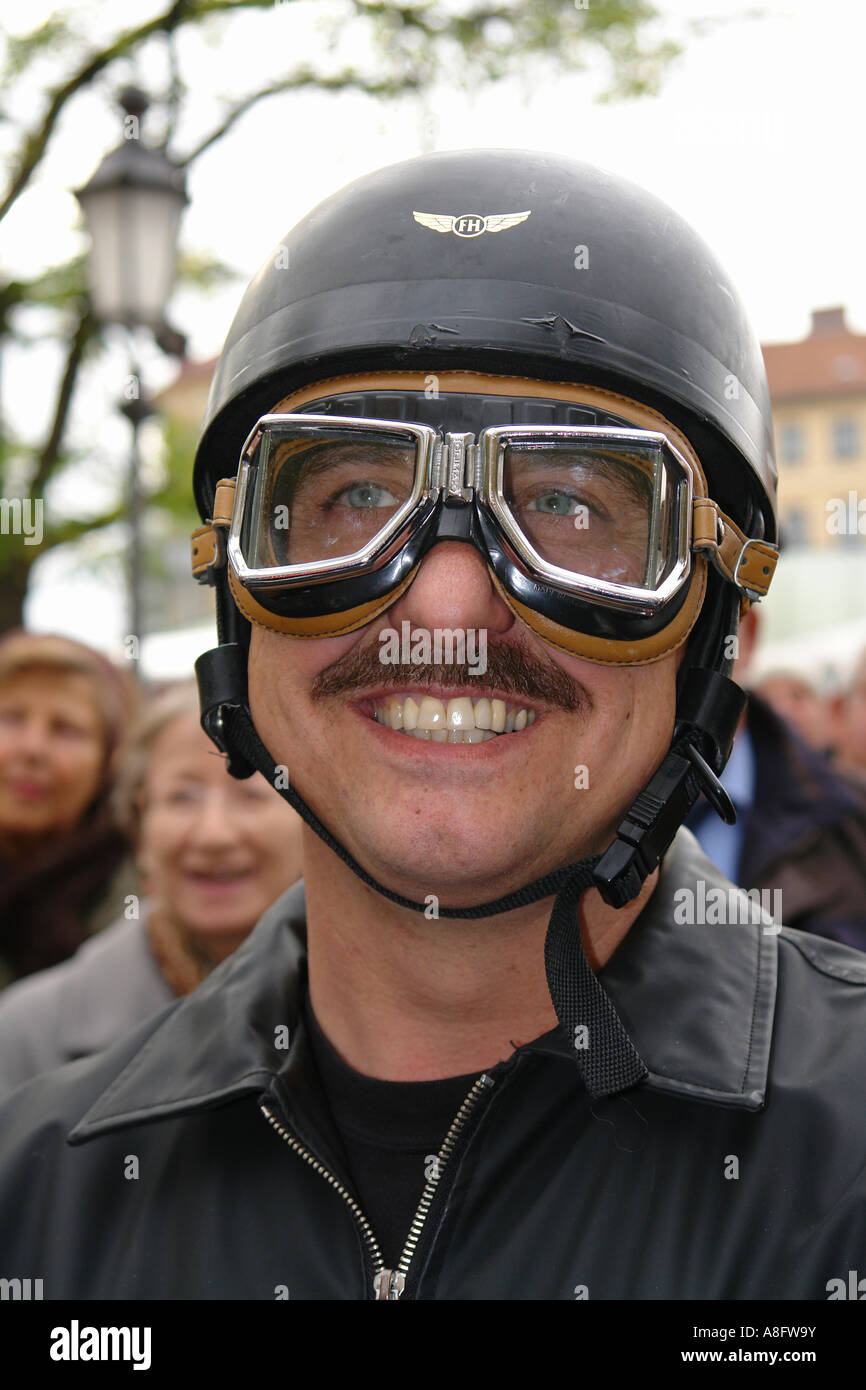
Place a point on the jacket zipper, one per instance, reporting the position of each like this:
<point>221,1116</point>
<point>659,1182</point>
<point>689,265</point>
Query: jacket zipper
<point>388,1284</point>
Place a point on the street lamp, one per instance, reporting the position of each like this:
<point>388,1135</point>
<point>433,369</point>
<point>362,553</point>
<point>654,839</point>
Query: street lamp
<point>132,207</point>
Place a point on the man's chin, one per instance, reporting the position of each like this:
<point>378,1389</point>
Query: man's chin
<point>466,875</point>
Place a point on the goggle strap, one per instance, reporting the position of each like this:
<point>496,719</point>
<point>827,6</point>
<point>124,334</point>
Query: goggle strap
<point>604,1053</point>
<point>608,1059</point>
<point>209,541</point>
<point>746,562</point>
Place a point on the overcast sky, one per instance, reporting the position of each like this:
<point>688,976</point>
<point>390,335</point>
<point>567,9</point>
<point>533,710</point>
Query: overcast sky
<point>756,138</point>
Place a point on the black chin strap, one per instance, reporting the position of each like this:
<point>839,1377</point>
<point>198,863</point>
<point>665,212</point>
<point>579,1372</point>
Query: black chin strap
<point>603,1050</point>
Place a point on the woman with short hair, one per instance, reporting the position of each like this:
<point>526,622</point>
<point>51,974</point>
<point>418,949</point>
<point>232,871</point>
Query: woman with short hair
<point>64,712</point>
<point>213,854</point>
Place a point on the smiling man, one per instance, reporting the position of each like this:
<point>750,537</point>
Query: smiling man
<point>484,1055</point>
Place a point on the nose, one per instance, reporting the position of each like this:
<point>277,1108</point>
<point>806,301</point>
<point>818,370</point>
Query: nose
<point>32,738</point>
<point>453,589</point>
<point>215,825</point>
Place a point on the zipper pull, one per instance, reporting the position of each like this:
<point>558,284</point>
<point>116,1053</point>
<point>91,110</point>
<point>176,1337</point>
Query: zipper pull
<point>389,1284</point>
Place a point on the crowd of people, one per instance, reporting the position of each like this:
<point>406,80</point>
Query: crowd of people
<point>132,863</point>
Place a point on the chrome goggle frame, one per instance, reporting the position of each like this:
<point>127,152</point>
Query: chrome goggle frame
<point>463,470</point>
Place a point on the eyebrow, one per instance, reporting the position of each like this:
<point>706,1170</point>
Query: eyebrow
<point>327,453</point>
<point>638,484</point>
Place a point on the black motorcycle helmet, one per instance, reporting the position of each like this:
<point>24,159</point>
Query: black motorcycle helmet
<point>517,265</point>
<point>601,283</point>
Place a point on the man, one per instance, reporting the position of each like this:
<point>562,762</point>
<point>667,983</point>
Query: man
<point>504,397</point>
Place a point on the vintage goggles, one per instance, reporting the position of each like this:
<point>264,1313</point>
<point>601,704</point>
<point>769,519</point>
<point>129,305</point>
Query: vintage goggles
<point>596,536</point>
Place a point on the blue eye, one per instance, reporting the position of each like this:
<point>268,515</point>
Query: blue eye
<point>368,495</point>
<point>554,504</point>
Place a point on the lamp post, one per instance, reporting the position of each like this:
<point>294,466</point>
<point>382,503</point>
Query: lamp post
<point>132,206</point>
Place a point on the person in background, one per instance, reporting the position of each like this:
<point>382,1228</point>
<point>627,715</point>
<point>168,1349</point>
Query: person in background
<point>851,749</point>
<point>64,712</point>
<point>796,699</point>
<point>801,823</point>
<point>213,853</point>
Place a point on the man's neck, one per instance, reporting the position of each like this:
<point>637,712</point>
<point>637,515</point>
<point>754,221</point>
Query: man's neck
<point>405,998</point>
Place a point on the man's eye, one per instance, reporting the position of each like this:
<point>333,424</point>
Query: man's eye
<point>367,495</point>
<point>555,504</point>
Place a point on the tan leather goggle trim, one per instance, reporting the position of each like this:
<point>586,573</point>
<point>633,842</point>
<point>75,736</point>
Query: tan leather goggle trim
<point>328,625</point>
<point>750,564</point>
<point>605,651</point>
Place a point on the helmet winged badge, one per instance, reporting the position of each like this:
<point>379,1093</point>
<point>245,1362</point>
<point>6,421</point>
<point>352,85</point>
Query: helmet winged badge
<point>470,224</point>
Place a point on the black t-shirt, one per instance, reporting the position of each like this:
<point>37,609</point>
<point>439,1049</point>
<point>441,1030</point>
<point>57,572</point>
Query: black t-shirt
<point>391,1132</point>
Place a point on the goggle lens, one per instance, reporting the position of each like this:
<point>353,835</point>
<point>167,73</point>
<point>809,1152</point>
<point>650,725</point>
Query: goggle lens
<point>605,513</point>
<point>320,500</point>
<point>600,510</point>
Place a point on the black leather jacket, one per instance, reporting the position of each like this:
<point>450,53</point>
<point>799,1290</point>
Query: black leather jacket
<point>202,1163</point>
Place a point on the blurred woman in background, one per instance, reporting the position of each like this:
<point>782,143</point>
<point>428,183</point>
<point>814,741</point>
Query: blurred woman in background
<point>64,711</point>
<point>213,853</point>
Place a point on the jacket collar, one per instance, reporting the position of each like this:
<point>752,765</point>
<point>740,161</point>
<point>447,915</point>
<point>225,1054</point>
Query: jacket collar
<point>697,1001</point>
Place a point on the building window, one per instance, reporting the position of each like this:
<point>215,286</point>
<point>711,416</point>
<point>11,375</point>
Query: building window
<point>846,439</point>
<point>791,443</point>
<point>795,527</point>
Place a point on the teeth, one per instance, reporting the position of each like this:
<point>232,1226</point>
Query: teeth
<point>456,721</point>
<point>460,714</point>
<point>410,714</point>
<point>483,714</point>
<point>431,714</point>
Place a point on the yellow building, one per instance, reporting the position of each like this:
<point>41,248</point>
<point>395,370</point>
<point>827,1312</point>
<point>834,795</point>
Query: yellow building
<point>818,393</point>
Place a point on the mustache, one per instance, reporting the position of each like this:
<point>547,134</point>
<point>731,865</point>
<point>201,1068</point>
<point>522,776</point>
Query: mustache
<point>510,669</point>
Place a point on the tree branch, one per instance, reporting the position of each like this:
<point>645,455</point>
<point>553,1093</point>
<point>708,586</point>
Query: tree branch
<point>304,77</point>
<point>50,452</point>
<point>73,529</point>
<point>35,144</point>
